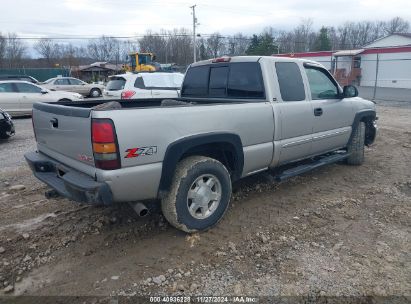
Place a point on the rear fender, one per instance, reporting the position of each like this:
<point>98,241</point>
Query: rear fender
<point>178,149</point>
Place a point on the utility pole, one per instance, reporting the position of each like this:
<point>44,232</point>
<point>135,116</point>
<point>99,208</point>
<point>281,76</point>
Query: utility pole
<point>376,77</point>
<point>194,31</point>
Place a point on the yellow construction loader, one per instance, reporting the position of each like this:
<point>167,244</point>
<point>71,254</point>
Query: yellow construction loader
<point>141,62</point>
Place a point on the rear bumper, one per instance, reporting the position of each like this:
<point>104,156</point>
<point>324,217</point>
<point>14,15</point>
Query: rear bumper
<point>67,181</point>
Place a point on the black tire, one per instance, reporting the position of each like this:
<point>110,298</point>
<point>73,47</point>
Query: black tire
<point>175,205</point>
<point>95,92</point>
<point>64,100</point>
<point>356,146</point>
<point>4,135</point>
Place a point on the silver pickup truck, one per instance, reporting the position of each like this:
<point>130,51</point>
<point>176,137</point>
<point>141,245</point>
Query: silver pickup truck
<point>236,116</point>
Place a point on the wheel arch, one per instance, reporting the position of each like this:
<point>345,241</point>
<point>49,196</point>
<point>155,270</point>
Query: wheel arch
<point>225,147</point>
<point>367,116</point>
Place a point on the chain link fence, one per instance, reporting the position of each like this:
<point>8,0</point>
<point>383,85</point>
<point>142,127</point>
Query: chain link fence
<point>383,78</point>
<point>41,74</point>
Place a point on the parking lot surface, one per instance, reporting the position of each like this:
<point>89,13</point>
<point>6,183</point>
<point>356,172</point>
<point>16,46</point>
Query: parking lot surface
<point>339,230</point>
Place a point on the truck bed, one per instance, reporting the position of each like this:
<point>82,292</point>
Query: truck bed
<point>150,102</point>
<point>136,103</point>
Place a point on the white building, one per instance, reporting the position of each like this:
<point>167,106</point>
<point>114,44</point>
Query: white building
<point>385,62</point>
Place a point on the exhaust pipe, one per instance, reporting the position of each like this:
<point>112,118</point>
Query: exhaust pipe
<point>140,209</point>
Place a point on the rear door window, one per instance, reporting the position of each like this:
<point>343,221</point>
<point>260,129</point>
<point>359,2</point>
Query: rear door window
<point>63,81</point>
<point>196,82</point>
<point>290,81</point>
<point>116,84</point>
<point>27,88</point>
<point>235,80</point>
<point>74,81</point>
<point>245,81</point>
<point>139,83</point>
<point>6,87</point>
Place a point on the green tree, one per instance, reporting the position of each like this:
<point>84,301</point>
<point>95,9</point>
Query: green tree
<point>262,45</point>
<point>323,42</point>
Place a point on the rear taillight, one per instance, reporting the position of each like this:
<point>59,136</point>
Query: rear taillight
<point>105,147</point>
<point>127,94</point>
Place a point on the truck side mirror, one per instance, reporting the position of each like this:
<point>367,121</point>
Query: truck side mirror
<point>350,91</point>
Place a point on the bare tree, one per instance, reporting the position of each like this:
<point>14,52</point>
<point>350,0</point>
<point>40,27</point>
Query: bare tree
<point>127,47</point>
<point>154,43</point>
<point>238,44</point>
<point>396,25</point>
<point>169,46</point>
<point>15,50</point>
<point>333,36</point>
<point>70,54</point>
<point>48,49</point>
<point>215,45</point>
<point>285,42</point>
<point>3,43</point>
<point>303,37</point>
<point>102,49</point>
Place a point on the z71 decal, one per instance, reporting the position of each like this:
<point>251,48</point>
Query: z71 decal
<point>142,151</point>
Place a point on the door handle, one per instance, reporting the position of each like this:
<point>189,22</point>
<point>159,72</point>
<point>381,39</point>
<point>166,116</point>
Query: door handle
<point>318,112</point>
<point>54,122</point>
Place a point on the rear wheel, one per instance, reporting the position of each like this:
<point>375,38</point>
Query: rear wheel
<point>95,92</point>
<point>199,195</point>
<point>64,100</point>
<point>356,146</point>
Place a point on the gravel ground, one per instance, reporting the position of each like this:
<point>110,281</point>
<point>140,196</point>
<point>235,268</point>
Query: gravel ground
<point>336,231</point>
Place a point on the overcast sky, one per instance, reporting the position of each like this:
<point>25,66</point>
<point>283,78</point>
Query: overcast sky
<point>129,17</point>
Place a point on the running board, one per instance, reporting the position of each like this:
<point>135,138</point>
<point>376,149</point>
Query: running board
<point>326,160</point>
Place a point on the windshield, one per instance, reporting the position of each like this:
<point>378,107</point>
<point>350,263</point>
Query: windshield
<point>49,80</point>
<point>132,60</point>
<point>116,84</point>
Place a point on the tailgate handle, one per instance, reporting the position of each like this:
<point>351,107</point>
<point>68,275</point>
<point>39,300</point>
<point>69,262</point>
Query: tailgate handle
<point>54,122</point>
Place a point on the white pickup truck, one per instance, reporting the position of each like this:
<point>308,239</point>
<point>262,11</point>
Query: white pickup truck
<point>236,117</point>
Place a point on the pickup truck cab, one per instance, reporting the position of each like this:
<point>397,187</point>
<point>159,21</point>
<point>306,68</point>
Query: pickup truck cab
<point>236,117</point>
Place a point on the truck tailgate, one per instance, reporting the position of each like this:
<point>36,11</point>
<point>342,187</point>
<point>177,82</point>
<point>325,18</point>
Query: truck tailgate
<point>64,132</point>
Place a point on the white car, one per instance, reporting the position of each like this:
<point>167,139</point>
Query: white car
<point>17,97</point>
<point>143,85</point>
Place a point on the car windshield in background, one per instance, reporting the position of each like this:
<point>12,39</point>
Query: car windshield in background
<point>116,84</point>
<point>49,80</point>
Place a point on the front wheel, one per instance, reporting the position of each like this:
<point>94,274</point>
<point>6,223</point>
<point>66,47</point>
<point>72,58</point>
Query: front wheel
<point>356,146</point>
<point>199,195</point>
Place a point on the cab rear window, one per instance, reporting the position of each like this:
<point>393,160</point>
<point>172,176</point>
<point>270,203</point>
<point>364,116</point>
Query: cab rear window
<point>116,84</point>
<point>234,80</point>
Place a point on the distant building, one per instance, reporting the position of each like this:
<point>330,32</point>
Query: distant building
<point>392,55</point>
<point>97,71</point>
<point>399,39</point>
